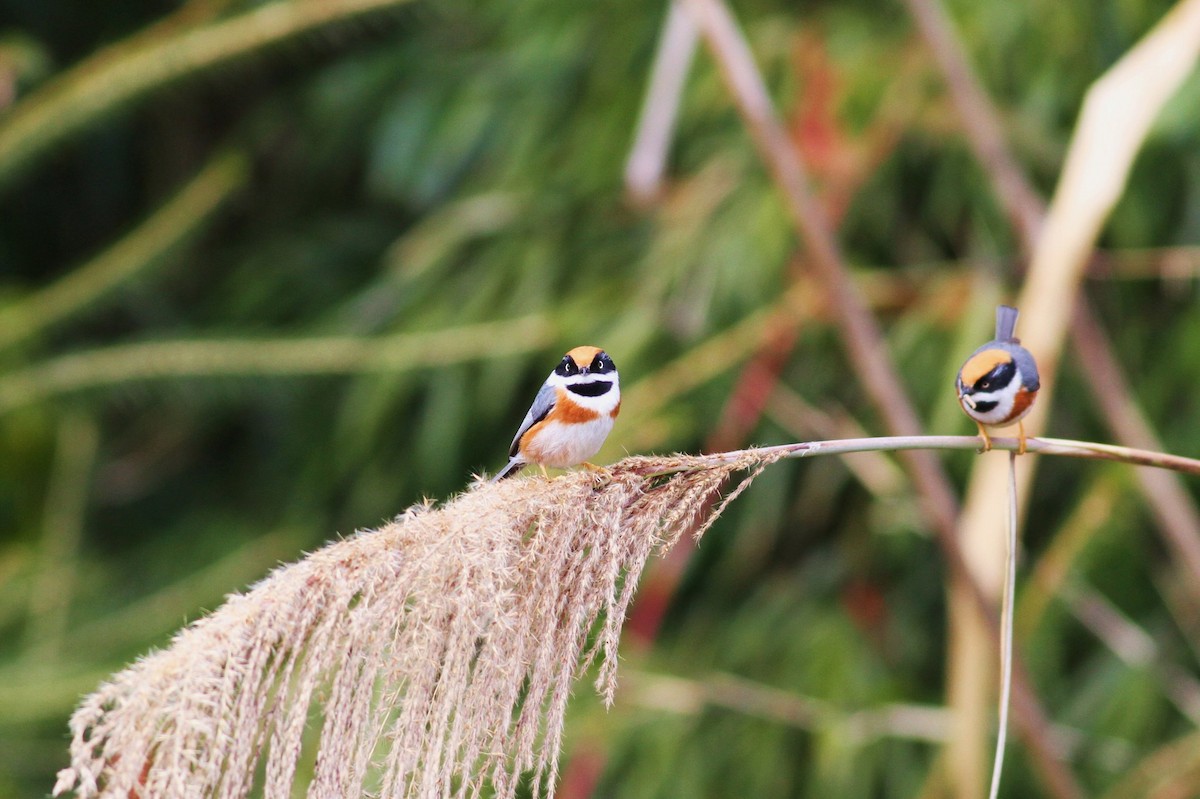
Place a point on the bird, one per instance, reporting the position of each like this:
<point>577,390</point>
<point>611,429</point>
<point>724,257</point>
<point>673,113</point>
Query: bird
<point>999,382</point>
<point>571,415</point>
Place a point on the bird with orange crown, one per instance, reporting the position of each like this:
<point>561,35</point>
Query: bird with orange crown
<point>999,382</point>
<point>571,415</point>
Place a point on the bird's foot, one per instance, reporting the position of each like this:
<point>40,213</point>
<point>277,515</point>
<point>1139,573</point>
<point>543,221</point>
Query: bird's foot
<point>604,475</point>
<point>987,440</point>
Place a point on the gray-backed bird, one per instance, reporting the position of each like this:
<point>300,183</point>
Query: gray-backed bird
<point>999,382</point>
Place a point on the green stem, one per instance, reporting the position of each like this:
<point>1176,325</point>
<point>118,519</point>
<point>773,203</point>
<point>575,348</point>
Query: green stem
<point>269,357</point>
<point>126,71</point>
<point>180,217</point>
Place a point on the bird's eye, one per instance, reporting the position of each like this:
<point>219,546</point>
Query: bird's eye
<point>598,364</point>
<point>985,384</point>
<point>567,367</point>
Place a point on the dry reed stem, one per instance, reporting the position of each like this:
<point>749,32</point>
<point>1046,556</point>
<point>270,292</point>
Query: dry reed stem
<point>656,123</point>
<point>1067,448</point>
<point>439,650</point>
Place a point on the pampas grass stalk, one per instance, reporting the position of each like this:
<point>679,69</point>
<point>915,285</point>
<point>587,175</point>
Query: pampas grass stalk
<point>439,651</point>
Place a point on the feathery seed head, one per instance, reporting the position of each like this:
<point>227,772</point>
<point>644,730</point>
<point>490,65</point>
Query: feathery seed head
<point>440,649</point>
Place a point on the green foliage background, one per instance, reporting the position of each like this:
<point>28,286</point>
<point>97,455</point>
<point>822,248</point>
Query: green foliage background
<point>426,167</point>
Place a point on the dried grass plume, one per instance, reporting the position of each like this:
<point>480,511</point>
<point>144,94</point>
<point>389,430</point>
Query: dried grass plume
<point>433,655</point>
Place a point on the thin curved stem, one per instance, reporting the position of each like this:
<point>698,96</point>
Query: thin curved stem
<point>1006,627</point>
<point>1087,450</point>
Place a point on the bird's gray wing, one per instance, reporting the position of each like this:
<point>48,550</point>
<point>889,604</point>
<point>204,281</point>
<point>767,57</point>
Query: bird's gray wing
<point>543,403</point>
<point>1027,365</point>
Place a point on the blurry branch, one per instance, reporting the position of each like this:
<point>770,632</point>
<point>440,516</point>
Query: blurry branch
<point>182,216</point>
<point>746,404</point>
<point>127,71</point>
<point>1116,117</point>
<point>269,357</point>
<point>1054,566</point>
<point>932,724</point>
<point>62,529</point>
<point>672,62</point>
<point>1177,599</point>
<point>1172,506</point>
<point>864,342</point>
<point>702,363</point>
<point>1177,262</point>
<point>1170,772</point>
<point>1133,645</point>
<point>1024,206</point>
<point>790,411</point>
<point>691,696</point>
<point>868,352</point>
<point>449,226</point>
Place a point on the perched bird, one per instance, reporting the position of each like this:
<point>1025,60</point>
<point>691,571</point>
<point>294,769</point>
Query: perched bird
<point>998,383</point>
<point>571,415</point>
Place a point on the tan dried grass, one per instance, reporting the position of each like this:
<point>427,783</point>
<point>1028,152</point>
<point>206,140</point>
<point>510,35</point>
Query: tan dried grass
<point>439,650</point>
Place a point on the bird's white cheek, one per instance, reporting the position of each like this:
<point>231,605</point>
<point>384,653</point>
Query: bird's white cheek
<point>1003,399</point>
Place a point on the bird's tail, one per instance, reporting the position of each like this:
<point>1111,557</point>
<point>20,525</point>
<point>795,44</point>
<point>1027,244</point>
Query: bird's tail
<point>1006,322</point>
<point>515,465</point>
